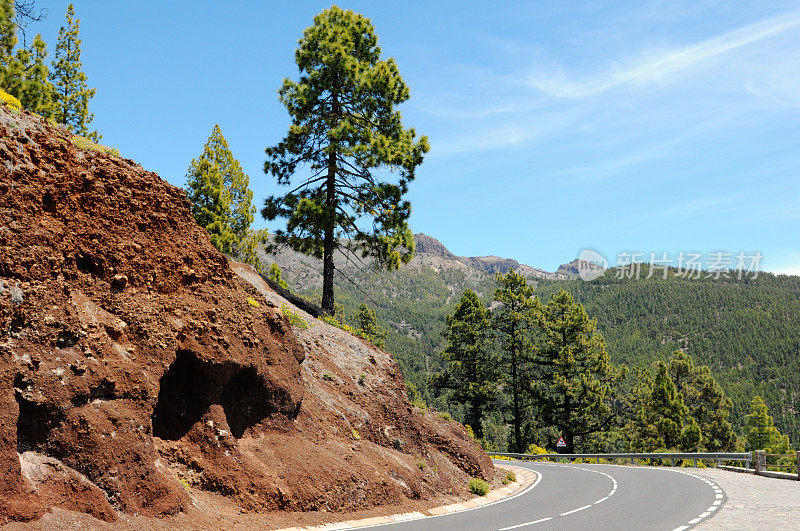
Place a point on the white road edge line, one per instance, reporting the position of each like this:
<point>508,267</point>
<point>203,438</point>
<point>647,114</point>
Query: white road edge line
<point>428,517</point>
<point>575,510</point>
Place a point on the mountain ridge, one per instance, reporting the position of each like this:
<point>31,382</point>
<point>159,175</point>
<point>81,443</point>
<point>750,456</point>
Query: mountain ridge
<point>428,245</point>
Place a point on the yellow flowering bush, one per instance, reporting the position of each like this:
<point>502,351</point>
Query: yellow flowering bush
<point>81,142</point>
<point>10,100</point>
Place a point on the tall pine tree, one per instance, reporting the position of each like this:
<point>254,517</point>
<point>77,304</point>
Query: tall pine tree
<point>574,383</point>
<point>221,200</point>
<point>512,320</point>
<point>705,400</point>
<point>473,372</point>
<point>345,136</point>
<point>24,73</point>
<point>37,92</point>
<point>72,94</point>
<point>8,39</point>
<point>761,432</point>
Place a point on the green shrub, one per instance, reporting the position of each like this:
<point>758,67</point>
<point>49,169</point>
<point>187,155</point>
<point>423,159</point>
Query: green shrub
<point>361,378</point>
<point>510,477</point>
<point>422,465</point>
<point>479,487</point>
<point>252,302</point>
<point>444,415</point>
<point>355,434</point>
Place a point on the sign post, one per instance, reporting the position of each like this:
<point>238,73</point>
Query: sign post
<point>560,445</point>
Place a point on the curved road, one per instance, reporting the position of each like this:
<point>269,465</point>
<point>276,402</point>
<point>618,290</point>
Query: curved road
<point>586,496</point>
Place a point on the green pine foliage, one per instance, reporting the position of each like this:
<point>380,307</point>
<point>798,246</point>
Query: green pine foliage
<point>761,432</point>
<point>37,92</point>
<point>24,73</point>
<point>661,418</point>
<point>274,275</point>
<point>747,331</point>
<point>221,200</point>
<point>706,402</point>
<point>72,94</point>
<point>574,384</point>
<point>472,363</point>
<point>512,321</point>
<point>345,135</point>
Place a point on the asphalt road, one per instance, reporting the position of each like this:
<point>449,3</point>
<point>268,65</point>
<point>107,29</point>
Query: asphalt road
<point>586,496</point>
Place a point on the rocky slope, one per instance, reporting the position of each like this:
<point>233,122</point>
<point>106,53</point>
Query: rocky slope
<point>137,366</point>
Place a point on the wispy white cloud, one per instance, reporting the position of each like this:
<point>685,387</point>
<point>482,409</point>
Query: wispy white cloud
<point>666,65</point>
<point>702,205</point>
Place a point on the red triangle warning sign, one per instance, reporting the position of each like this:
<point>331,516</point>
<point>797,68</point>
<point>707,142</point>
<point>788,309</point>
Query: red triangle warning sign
<point>561,443</point>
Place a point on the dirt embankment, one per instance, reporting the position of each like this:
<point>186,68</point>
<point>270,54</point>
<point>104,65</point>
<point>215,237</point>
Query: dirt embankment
<point>138,367</point>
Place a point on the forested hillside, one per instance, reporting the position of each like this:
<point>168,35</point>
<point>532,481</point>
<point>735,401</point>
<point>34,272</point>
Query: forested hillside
<point>747,331</point>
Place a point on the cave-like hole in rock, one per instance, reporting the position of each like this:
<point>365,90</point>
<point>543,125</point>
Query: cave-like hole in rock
<point>186,393</point>
<point>34,423</point>
<point>183,398</point>
<point>245,400</point>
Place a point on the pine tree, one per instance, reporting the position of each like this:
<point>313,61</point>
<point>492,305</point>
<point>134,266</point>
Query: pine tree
<point>574,383</point>
<point>24,73</point>
<point>473,371</point>
<point>512,321</point>
<point>705,400</point>
<point>366,322</point>
<point>274,275</point>
<point>72,95</point>
<point>345,135</point>
<point>761,432</point>
<point>8,39</point>
<point>37,92</point>
<point>661,417</point>
<point>221,200</point>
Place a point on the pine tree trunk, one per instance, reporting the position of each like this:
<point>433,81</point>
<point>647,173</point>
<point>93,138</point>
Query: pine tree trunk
<point>515,389</point>
<point>477,427</point>
<point>329,245</point>
<point>569,438</point>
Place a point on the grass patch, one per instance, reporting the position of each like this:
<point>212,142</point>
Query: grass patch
<point>510,477</point>
<point>422,465</point>
<point>479,487</point>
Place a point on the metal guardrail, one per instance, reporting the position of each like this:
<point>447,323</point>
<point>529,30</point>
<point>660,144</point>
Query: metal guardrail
<point>758,458</point>
<point>631,457</point>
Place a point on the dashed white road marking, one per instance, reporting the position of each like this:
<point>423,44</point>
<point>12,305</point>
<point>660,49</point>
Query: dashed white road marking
<point>527,523</point>
<point>575,510</point>
<point>611,493</point>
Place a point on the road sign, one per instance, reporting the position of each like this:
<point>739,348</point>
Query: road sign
<point>561,443</point>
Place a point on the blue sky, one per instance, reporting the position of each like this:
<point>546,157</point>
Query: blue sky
<point>555,126</point>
